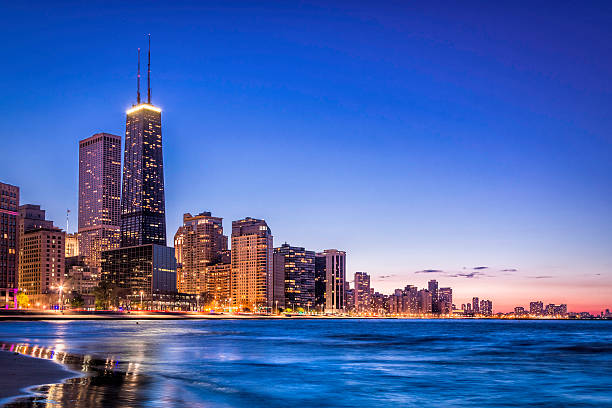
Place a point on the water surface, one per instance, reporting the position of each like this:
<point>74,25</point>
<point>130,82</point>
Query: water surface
<point>332,363</point>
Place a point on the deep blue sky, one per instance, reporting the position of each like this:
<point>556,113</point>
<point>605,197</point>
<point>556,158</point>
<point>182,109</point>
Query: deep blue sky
<point>415,137</point>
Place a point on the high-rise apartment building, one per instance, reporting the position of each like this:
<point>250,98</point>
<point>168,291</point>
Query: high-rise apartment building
<point>218,284</point>
<point>445,300</point>
<point>41,256</point>
<point>536,308</point>
<point>475,305</point>
<point>99,196</point>
<point>252,265</point>
<point>432,286</point>
<point>294,277</point>
<point>425,301</point>
<point>362,292</point>
<point>330,280</point>
<point>486,308</point>
<point>198,243</point>
<point>9,242</point>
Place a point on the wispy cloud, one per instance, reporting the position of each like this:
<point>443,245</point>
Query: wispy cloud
<point>540,277</point>
<point>509,270</point>
<point>479,268</point>
<point>468,275</point>
<point>430,271</point>
<point>385,276</point>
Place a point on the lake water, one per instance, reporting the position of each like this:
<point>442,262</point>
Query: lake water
<point>331,363</point>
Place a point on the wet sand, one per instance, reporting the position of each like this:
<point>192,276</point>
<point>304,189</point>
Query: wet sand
<point>18,372</point>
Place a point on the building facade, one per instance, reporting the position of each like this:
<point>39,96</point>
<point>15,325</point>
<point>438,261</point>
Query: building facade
<point>9,243</point>
<point>143,208</point>
<point>72,245</point>
<point>330,281</point>
<point>294,277</point>
<point>362,292</point>
<point>252,265</point>
<point>147,268</point>
<point>198,243</point>
<point>99,196</point>
<point>42,265</point>
<point>445,300</point>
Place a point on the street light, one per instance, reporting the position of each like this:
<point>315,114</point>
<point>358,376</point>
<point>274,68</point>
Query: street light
<point>61,288</point>
<point>141,305</point>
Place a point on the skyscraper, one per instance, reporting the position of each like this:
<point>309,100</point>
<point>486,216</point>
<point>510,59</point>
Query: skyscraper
<point>252,265</point>
<point>143,263</point>
<point>9,241</point>
<point>362,292</point>
<point>445,300</point>
<point>475,305</point>
<point>536,308</point>
<point>143,205</point>
<point>99,196</point>
<point>198,243</point>
<point>425,301</point>
<point>330,280</point>
<point>433,289</point>
<point>296,267</point>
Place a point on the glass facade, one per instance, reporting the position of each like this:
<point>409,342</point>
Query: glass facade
<point>148,268</point>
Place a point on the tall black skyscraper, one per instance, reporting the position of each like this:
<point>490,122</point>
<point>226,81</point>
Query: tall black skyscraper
<point>143,210</point>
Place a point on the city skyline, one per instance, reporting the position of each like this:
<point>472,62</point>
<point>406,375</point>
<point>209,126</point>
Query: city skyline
<point>486,269</point>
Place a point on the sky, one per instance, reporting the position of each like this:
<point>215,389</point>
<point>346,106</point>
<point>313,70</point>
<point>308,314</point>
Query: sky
<point>470,144</point>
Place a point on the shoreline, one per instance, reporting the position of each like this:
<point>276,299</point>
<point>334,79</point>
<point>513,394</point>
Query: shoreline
<point>23,374</point>
<point>10,315</point>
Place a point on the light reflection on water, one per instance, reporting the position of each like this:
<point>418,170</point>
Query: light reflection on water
<point>324,362</point>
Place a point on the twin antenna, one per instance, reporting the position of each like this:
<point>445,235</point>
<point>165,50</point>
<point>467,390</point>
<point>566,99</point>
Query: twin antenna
<point>148,76</point>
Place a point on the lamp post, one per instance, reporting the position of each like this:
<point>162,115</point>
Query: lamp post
<point>141,305</point>
<point>61,288</point>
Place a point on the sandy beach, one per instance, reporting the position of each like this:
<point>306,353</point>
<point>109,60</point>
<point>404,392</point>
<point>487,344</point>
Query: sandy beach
<point>19,372</point>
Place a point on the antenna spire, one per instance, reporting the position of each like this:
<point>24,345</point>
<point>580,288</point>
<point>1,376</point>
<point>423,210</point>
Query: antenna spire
<point>149,74</point>
<point>138,81</point>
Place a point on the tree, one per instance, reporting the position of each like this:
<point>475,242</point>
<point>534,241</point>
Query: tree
<point>77,301</point>
<point>23,301</point>
<point>104,294</point>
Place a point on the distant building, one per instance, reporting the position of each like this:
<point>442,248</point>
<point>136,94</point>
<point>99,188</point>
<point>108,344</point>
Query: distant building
<point>556,310</point>
<point>362,292</point>
<point>72,245</point>
<point>425,301</point>
<point>41,257</point>
<point>475,305</point>
<point>536,308</point>
<point>218,284</point>
<point>519,311</point>
<point>148,268</point>
<point>432,286</point>
<point>411,300</point>
<point>80,278</point>
<point>445,300</point>
<point>330,274</point>
<point>9,243</point>
<point>486,307</point>
<point>198,243</point>
<point>99,196</point>
<point>252,265</point>
<point>296,272</point>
